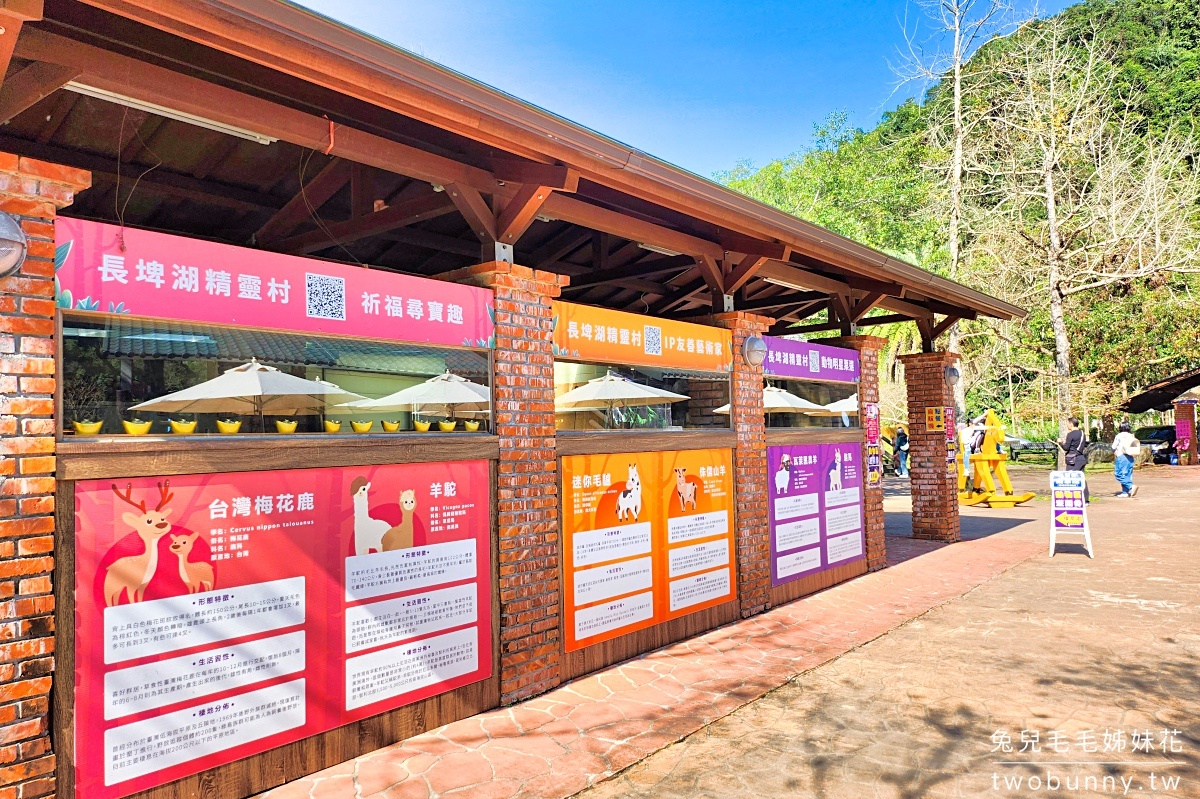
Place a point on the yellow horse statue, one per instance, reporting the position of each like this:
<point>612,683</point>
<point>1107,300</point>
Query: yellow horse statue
<point>989,469</point>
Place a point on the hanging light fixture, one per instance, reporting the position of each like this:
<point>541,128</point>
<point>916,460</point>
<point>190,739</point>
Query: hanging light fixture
<point>13,245</point>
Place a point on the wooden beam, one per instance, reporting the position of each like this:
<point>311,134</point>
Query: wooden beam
<point>710,270</point>
<point>792,276</point>
<point>312,195</point>
<point>942,326</point>
<point>925,327</point>
<point>634,283</point>
<point>641,269</point>
<point>885,319</point>
<point>743,272</point>
<point>865,305</point>
<point>362,190</point>
<point>400,215</point>
<point>105,69</point>
<point>215,157</point>
<point>432,241</point>
<point>578,212</point>
<point>474,209</point>
<point>13,16</point>
<point>62,109</point>
<point>551,176</point>
<point>558,247</point>
<point>32,85</point>
<point>782,300</point>
<point>747,245</point>
<point>140,136</point>
<point>677,296</point>
<point>520,211</point>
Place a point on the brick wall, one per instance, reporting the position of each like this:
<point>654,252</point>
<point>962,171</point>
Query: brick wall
<point>1186,411</point>
<point>934,489</point>
<point>32,191</point>
<point>706,396</point>
<point>868,348</point>
<point>752,533</point>
<point>527,480</point>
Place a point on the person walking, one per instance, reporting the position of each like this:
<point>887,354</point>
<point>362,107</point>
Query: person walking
<point>1125,449</point>
<point>1073,444</point>
<point>901,451</point>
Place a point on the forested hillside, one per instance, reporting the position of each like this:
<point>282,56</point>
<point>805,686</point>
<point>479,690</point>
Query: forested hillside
<point>1065,177</point>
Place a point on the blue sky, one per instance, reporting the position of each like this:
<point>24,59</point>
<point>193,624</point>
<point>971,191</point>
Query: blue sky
<point>702,84</point>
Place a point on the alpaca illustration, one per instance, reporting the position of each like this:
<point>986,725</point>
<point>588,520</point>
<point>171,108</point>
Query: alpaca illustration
<point>368,532</point>
<point>401,536</point>
<point>835,472</point>
<point>130,575</point>
<point>783,477</point>
<point>197,576</point>
<point>630,500</point>
<point>685,490</point>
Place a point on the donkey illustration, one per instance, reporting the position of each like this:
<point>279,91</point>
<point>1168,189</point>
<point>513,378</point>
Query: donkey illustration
<point>630,500</point>
<point>130,575</point>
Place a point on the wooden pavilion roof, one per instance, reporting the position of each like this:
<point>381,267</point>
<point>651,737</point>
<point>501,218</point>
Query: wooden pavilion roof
<point>378,157</point>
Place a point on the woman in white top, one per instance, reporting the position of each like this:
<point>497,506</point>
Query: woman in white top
<point>1125,449</point>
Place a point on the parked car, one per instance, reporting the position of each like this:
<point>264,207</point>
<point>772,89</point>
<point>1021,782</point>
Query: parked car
<point>1159,440</point>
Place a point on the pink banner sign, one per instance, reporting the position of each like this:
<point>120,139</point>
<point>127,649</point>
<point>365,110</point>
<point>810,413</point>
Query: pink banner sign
<point>115,270</point>
<point>221,615</point>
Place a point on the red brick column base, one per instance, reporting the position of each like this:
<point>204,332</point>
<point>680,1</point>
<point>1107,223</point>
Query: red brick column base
<point>527,480</point>
<point>33,192</point>
<point>752,531</point>
<point>1188,457</point>
<point>934,488</point>
<point>868,348</point>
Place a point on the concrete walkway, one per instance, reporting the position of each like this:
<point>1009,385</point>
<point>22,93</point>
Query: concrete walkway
<point>593,728</point>
<point>1100,659</point>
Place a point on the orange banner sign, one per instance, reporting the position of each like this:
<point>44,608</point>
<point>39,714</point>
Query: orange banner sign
<point>648,538</point>
<point>585,333</point>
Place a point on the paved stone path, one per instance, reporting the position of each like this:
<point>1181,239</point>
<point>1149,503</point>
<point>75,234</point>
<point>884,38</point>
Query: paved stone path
<point>1100,658</point>
<point>557,745</point>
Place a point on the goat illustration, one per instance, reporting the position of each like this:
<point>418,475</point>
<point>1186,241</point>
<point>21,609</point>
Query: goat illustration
<point>630,500</point>
<point>368,532</point>
<point>401,536</point>
<point>197,576</point>
<point>685,490</point>
<point>783,477</point>
<point>130,575</point>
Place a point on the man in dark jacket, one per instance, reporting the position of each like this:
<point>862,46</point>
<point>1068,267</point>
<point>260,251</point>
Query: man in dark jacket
<point>1073,445</point>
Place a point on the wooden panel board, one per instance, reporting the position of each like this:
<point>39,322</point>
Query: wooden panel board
<point>253,775</point>
<point>789,592</point>
<point>782,436</point>
<point>139,457</point>
<point>606,653</point>
<point>609,441</point>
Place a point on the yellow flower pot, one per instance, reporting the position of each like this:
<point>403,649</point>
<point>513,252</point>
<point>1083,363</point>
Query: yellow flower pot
<point>229,426</point>
<point>286,425</point>
<point>471,425</point>
<point>333,427</point>
<point>447,427</point>
<point>361,427</point>
<point>87,428</point>
<point>390,427</point>
<point>183,428</point>
<point>422,427</point>
<point>136,428</point>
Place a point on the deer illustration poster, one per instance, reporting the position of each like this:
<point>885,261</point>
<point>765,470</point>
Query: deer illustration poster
<point>260,602</point>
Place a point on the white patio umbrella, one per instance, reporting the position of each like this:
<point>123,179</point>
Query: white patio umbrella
<point>252,388</point>
<point>613,391</point>
<point>776,400</point>
<point>447,392</point>
<point>847,406</point>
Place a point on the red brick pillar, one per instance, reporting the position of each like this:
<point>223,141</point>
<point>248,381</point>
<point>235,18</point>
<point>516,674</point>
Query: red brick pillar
<point>1187,457</point>
<point>934,487</point>
<point>33,192</point>
<point>753,532</point>
<point>868,348</point>
<point>527,481</point>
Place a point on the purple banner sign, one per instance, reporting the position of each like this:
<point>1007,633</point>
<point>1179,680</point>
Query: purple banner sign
<point>804,361</point>
<point>816,508</point>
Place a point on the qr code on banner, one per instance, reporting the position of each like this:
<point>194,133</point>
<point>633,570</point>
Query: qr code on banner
<point>325,297</point>
<point>652,340</point>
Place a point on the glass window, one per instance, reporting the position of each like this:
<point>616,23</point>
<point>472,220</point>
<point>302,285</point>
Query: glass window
<point>111,363</point>
<point>838,404</point>
<point>637,398</point>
